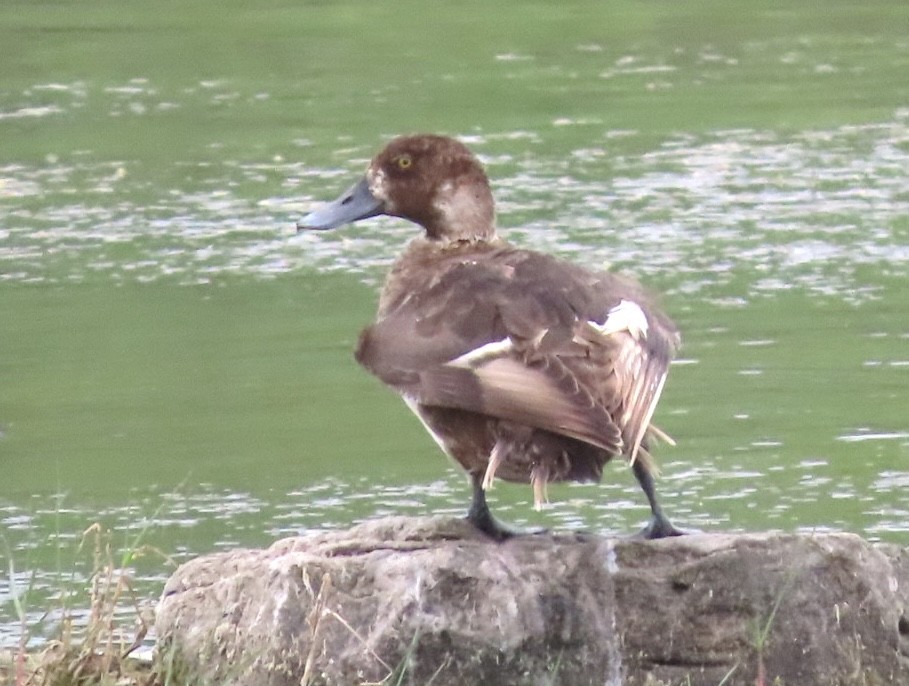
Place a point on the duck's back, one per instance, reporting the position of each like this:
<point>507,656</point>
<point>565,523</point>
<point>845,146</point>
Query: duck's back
<point>523,339</point>
<point>520,365</point>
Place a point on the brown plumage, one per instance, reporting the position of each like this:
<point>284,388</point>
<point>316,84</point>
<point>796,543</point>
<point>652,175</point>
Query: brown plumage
<point>522,366</point>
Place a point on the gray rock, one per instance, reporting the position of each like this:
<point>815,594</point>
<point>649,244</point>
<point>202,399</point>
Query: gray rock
<point>430,601</point>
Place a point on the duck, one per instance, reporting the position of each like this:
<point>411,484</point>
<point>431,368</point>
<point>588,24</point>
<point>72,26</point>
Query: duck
<point>521,366</point>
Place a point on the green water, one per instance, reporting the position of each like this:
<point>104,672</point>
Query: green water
<point>175,362</point>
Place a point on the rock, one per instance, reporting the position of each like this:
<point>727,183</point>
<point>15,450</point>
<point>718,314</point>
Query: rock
<point>429,600</point>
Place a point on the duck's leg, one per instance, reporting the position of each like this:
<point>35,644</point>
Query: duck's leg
<point>659,525</point>
<point>480,516</point>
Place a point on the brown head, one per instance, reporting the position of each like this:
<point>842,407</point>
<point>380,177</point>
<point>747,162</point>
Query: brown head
<point>433,181</point>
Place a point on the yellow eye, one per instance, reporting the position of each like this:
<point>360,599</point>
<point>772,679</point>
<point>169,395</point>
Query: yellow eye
<point>404,162</point>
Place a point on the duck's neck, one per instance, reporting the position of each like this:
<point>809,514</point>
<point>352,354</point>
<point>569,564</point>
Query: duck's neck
<point>463,212</point>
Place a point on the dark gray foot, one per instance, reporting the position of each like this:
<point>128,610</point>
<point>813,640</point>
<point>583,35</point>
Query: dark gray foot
<point>497,530</point>
<point>480,516</point>
<point>658,527</point>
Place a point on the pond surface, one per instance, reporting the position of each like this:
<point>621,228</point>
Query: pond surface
<point>175,362</point>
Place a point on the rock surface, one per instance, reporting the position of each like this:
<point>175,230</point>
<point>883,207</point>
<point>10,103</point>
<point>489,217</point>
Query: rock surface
<point>430,601</point>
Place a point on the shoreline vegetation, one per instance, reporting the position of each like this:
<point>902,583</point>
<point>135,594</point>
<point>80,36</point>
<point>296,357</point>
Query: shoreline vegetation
<point>101,628</point>
<point>93,640</point>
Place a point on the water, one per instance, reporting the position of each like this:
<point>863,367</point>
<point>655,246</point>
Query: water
<point>175,362</point>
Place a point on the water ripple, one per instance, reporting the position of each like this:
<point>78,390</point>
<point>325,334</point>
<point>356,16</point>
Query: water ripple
<point>805,211</point>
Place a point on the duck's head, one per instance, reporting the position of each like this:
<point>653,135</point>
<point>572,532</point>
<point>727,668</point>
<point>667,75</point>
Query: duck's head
<point>433,181</point>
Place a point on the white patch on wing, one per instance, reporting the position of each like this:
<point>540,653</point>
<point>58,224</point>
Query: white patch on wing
<point>626,316</point>
<point>484,352</point>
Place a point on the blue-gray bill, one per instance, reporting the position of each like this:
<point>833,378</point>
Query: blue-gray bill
<point>356,203</point>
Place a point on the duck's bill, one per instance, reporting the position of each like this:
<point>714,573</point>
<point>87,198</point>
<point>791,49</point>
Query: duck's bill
<point>356,203</point>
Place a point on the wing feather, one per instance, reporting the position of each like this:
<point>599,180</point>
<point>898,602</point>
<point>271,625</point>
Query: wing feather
<point>544,395</point>
<point>533,340</point>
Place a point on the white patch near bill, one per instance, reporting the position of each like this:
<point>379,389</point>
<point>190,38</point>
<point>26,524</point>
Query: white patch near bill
<point>626,316</point>
<point>377,184</point>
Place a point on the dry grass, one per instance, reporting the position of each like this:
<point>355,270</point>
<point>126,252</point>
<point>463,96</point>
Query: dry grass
<point>97,649</point>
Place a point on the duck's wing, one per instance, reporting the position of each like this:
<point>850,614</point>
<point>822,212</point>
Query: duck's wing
<point>635,351</point>
<point>538,342</point>
<point>541,392</point>
<point>433,322</point>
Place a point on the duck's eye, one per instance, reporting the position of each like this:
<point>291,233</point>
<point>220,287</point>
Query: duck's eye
<point>404,162</point>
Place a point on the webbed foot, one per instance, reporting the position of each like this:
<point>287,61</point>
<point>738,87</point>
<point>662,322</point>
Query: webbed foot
<point>497,530</point>
<point>480,516</point>
<point>658,527</point>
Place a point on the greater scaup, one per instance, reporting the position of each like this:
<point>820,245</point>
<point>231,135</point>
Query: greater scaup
<point>520,365</point>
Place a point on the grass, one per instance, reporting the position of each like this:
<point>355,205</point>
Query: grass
<point>96,647</point>
<point>760,635</point>
<point>761,632</point>
<point>95,650</point>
